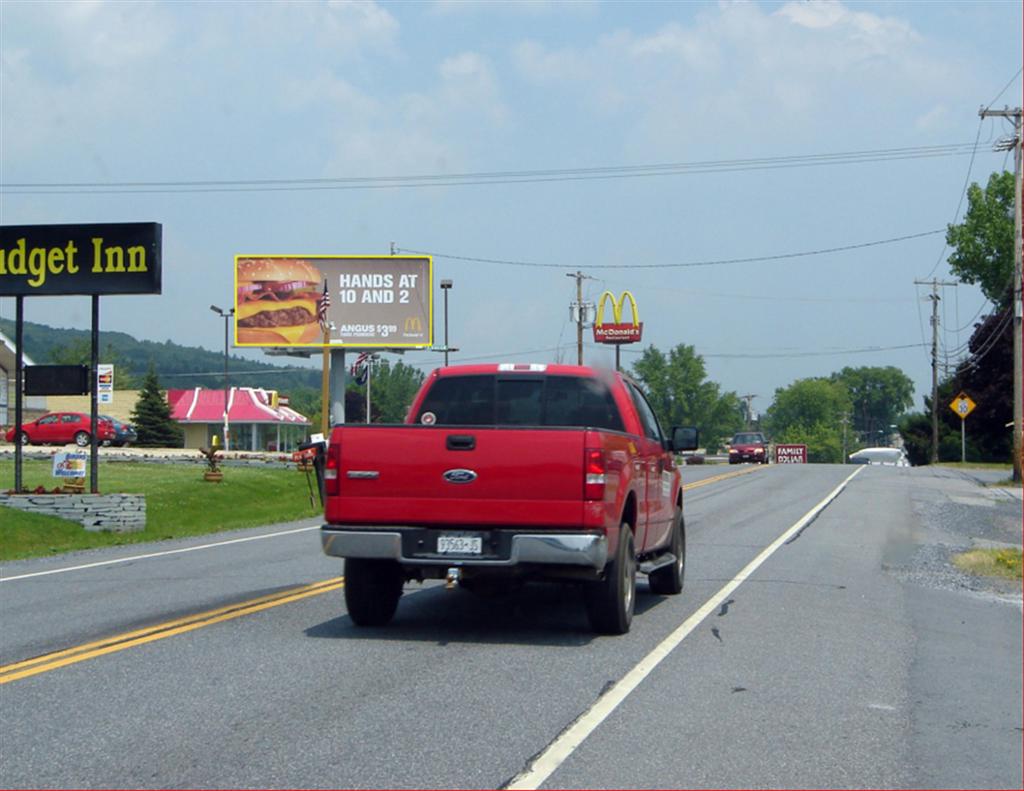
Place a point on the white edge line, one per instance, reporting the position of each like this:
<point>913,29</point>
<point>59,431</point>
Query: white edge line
<point>160,554</point>
<point>559,750</point>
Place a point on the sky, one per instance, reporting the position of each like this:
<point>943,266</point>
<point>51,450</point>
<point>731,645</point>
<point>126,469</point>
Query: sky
<point>580,102</point>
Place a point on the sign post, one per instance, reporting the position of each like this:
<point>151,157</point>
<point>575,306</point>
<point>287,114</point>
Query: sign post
<point>963,406</point>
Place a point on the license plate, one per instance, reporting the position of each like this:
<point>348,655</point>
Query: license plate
<point>459,545</point>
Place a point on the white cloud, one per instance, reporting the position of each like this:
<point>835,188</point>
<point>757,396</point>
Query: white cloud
<point>519,7</point>
<point>110,36</point>
<point>746,68</point>
<point>468,82</point>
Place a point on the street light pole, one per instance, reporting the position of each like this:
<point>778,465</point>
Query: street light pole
<point>227,390</point>
<point>446,286</point>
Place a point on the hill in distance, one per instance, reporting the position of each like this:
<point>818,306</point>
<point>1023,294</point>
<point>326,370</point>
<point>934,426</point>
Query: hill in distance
<point>177,366</point>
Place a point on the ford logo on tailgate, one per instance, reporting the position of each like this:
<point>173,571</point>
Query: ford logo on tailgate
<point>459,476</point>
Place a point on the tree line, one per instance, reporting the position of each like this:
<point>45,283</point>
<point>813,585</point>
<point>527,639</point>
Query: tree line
<point>833,415</point>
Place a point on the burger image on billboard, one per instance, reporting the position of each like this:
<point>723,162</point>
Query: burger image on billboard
<point>277,301</point>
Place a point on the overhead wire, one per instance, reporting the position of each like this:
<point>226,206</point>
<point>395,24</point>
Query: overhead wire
<point>710,262</point>
<point>489,177</point>
<point>1008,84</point>
<point>956,216</point>
<point>990,343</point>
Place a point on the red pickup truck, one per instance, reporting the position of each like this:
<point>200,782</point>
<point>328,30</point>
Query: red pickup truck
<point>506,473</point>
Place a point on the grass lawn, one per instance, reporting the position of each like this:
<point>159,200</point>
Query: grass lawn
<point>178,503</point>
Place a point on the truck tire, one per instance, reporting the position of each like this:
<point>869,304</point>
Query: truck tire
<point>610,601</point>
<point>372,590</point>
<point>668,580</point>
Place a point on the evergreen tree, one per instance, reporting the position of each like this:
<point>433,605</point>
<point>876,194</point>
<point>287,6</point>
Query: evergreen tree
<point>152,416</point>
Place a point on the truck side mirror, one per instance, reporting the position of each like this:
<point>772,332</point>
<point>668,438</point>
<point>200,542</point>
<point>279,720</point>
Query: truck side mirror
<point>684,438</point>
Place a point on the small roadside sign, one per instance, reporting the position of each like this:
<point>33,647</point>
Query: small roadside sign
<point>104,383</point>
<point>962,405</point>
<point>70,465</point>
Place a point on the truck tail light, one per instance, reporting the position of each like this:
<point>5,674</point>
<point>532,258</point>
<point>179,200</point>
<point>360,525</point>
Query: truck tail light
<point>331,465</point>
<point>593,474</point>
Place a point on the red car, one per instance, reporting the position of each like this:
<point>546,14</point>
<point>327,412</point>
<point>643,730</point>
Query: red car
<point>62,428</point>
<point>748,446</point>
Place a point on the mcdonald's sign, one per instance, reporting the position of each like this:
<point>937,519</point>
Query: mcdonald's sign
<point>617,331</point>
<point>413,324</point>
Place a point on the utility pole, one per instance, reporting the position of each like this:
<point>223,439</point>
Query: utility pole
<point>1015,116</point>
<point>748,399</point>
<point>934,297</point>
<point>579,313</point>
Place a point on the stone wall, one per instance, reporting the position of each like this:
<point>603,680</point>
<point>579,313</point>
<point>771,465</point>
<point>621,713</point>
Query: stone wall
<point>116,513</point>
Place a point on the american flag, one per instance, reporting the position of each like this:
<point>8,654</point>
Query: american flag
<point>321,308</point>
<point>359,365</point>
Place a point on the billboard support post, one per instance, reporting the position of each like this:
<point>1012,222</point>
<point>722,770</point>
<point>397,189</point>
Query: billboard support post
<point>337,389</point>
<point>325,387</point>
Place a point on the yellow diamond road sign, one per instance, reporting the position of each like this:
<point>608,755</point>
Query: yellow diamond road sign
<point>962,405</point>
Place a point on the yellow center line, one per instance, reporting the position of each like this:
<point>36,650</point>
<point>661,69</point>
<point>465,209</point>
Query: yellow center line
<point>188,623</point>
<point>721,477</point>
<point>120,642</point>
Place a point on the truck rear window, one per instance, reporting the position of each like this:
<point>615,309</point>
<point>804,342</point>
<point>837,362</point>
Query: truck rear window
<point>495,400</point>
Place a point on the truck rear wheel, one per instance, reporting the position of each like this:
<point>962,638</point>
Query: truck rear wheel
<point>668,580</point>
<point>610,601</point>
<point>372,590</point>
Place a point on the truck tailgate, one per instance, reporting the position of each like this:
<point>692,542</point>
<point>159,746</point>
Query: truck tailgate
<point>424,475</point>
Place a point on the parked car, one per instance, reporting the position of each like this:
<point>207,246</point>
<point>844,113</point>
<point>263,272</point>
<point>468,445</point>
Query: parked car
<point>748,446</point>
<point>62,428</point>
<point>508,473</point>
<point>124,433</point>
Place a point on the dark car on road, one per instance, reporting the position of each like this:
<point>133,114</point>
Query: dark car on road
<point>748,446</point>
<point>62,428</point>
<point>124,433</point>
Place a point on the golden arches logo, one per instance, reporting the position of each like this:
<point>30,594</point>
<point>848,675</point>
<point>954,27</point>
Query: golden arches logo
<point>413,325</point>
<point>617,305</point>
<point>617,331</point>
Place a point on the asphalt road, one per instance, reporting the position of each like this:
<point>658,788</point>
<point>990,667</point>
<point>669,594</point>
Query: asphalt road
<point>849,655</point>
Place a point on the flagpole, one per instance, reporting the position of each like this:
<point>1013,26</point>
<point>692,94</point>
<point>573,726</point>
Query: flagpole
<point>325,386</point>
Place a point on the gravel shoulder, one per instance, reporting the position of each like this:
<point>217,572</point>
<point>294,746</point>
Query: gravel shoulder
<point>956,511</point>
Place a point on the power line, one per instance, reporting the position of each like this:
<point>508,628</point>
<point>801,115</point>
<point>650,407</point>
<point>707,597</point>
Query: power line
<point>718,262</point>
<point>963,194</point>
<point>490,177</point>
<point>1014,77</point>
<point>774,355</point>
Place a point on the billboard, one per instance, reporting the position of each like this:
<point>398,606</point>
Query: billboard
<point>56,260</point>
<point>337,301</point>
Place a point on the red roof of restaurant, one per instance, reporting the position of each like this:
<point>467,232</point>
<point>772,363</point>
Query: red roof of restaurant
<point>245,405</point>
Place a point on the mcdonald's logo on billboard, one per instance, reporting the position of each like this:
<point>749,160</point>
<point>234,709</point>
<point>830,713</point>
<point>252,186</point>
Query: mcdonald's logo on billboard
<point>413,325</point>
<point>617,331</point>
